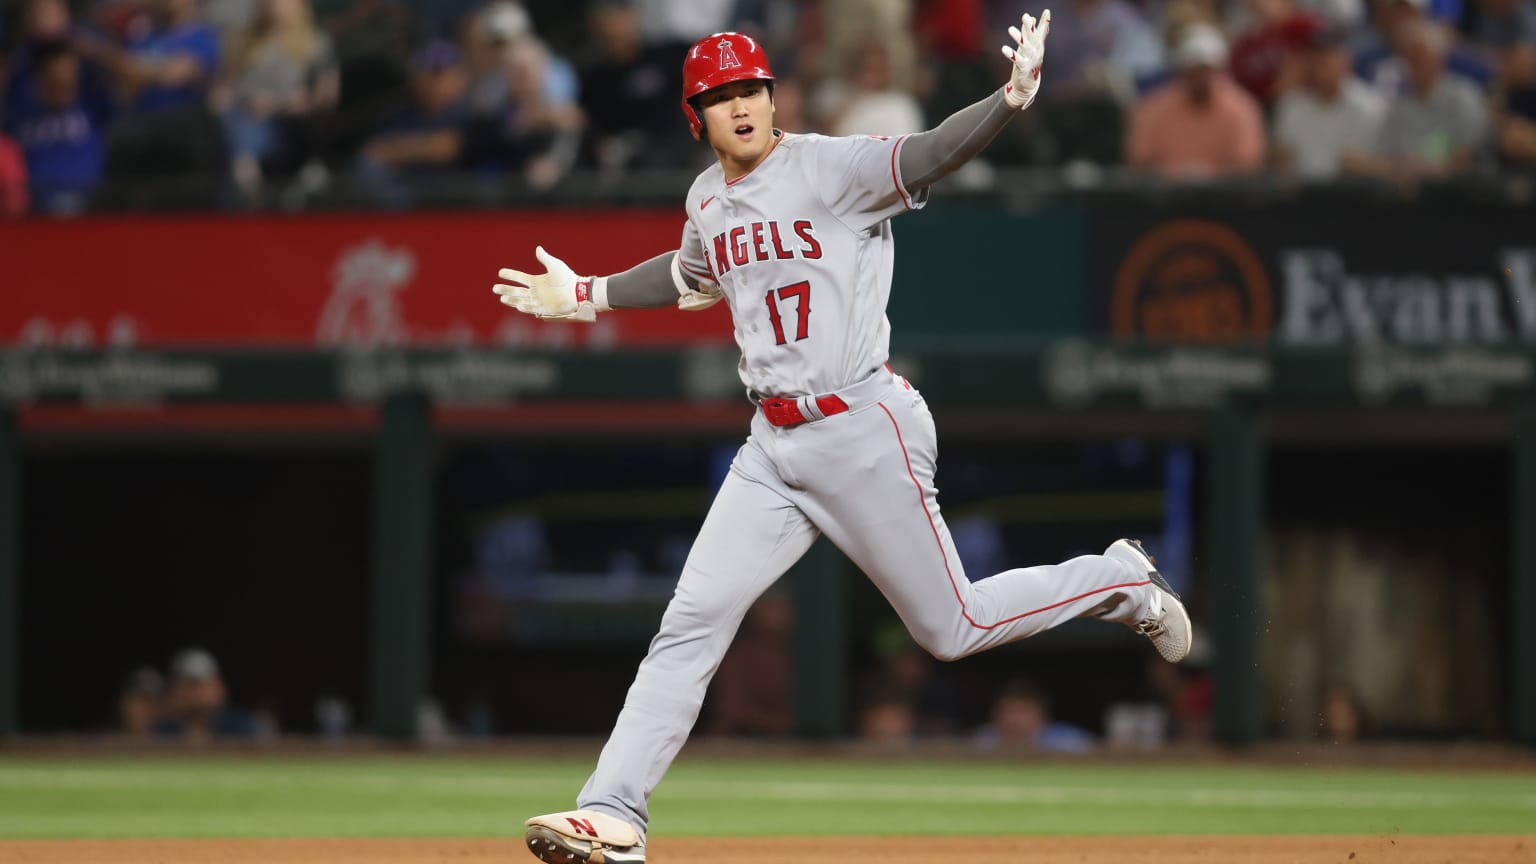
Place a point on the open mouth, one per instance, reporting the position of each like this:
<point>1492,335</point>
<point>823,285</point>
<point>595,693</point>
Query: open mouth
<point>744,131</point>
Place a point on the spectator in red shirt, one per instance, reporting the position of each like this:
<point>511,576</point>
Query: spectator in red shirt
<point>1263,57</point>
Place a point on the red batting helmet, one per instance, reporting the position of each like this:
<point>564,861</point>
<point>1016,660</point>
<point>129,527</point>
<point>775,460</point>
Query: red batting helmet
<point>720,59</point>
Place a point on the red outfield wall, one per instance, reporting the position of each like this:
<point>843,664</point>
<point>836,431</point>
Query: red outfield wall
<point>422,279</point>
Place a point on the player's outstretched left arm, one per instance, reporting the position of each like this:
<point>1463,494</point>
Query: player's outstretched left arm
<point>558,294</point>
<point>929,156</point>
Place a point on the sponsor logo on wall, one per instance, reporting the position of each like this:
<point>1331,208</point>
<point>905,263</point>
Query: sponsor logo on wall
<point>1326,302</point>
<point>1192,281</point>
<point>1452,375</point>
<point>419,280</point>
<point>1079,373</point>
<point>1303,277</point>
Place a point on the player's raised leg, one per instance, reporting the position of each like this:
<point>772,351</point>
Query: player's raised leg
<point>750,537</point>
<point>890,525</point>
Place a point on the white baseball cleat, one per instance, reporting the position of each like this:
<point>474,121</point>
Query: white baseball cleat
<point>584,837</point>
<point>1166,622</point>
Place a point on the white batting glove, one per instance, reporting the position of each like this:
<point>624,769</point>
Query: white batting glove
<point>1026,55</point>
<point>558,293</point>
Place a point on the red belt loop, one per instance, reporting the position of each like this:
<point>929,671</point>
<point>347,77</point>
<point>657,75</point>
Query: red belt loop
<point>785,412</point>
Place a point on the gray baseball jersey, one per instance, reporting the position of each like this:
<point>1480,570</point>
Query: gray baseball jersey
<point>802,250</point>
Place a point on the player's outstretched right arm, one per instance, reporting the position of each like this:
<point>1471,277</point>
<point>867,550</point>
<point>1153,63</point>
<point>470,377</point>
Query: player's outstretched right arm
<point>559,294</point>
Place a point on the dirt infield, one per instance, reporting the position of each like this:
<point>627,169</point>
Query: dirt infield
<point>1397,849</point>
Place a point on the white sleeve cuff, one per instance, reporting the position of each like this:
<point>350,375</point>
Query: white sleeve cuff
<point>599,293</point>
<point>677,276</point>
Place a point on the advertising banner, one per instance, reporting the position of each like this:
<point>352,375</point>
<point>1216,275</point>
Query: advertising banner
<point>323,280</point>
<point>1306,273</point>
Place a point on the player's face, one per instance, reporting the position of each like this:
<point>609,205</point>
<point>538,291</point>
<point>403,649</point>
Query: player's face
<point>738,118</point>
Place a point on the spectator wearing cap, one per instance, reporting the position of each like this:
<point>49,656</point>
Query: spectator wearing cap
<point>1202,123</point>
<point>197,707</point>
<point>494,32</point>
<point>60,120</point>
<point>426,138</point>
<point>1439,125</point>
<point>1330,116</point>
<point>486,41</point>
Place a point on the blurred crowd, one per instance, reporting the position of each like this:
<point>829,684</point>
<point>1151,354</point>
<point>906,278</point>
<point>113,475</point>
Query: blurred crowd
<point>904,697</point>
<point>259,102</point>
<point>908,698</point>
<point>188,702</point>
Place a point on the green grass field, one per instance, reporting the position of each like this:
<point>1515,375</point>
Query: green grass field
<point>488,796</point>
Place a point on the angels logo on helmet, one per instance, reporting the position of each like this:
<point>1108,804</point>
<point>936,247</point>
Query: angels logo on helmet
<point>727,55</point>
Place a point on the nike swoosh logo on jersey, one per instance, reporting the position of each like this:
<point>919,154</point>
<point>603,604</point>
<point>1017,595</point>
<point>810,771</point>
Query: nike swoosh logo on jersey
<point>705,202</point>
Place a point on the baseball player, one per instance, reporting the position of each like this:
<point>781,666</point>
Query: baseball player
<point>794,233</point>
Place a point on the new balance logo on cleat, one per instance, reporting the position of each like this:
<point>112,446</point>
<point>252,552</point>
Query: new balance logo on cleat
<point>584,837</point>
<point>583,826</point>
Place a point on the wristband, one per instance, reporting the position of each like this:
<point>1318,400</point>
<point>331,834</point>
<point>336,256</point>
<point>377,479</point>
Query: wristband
<point>1015,99</point>
<point>597,292</point>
